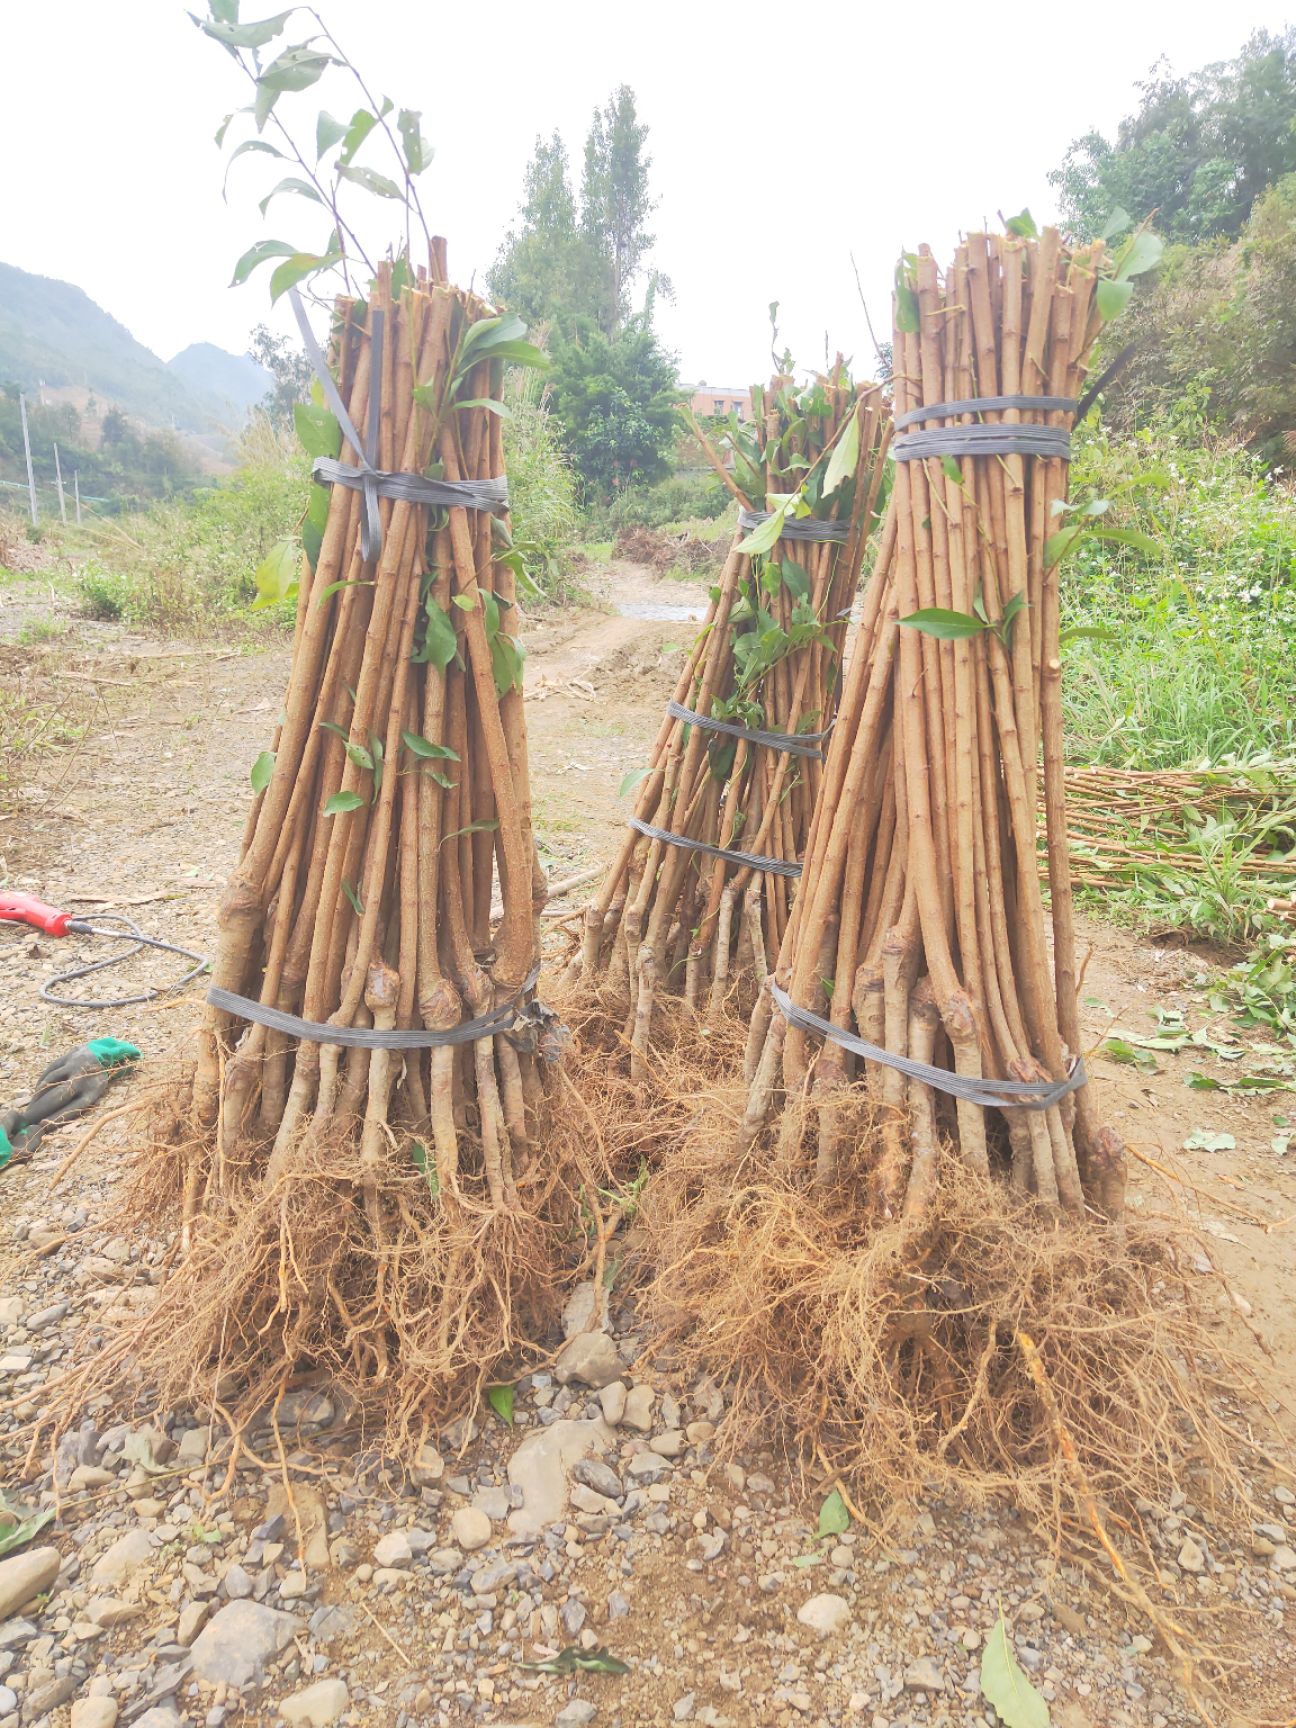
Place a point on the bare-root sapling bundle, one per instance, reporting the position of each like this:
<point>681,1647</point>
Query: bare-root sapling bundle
<point>363,1192</point>
<point>699,895</point>
<point>897,1237</point>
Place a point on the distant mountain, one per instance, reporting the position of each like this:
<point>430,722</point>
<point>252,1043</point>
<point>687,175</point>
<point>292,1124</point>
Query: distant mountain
<point>234,381</point>
<point>51,332</point>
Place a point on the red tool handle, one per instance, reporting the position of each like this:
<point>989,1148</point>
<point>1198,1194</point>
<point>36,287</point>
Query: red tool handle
<point>27,909</point>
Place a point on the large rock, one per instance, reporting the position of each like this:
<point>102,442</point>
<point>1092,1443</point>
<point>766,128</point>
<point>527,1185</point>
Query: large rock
<point>23,1576</point>
<point>470,1528</point>
<point>825,1614</point>
<point>316,1706</point>
<point>127,1554</point>
<point>590,1358</point>
<point>540,1467</point>
<point>94,1713</point>
<point>240,1642</point>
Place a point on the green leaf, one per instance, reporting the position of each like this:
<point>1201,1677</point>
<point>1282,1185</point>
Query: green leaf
<point>276,575</point>
<point>465,602</point>
<point>295,69</point>
<point>318,432</point>
<point>1113,298</point>
<point>233,35</point>
<point>418,152</point>
<point>426,750</point>
<point>312,533</point>
<point>471,828</point>
<point>420,1160</point>
<point>1058,545</point>
<point>373,182</point>
<point>844,459</point>
<point>1005,1686</point>
<point>293,183</point>
<point>951,469</point>
<point>1023,226</point>
<point>1201,1140</point>
<point>573,1659</point>
<point>297,268</point>
<point>1121,1050</point>
<point>440,644</point>
<point>259,254</point>
<point>1129,537</point>
<point>906,302</point>
<point>262,769</point>
<point>1003,625</point>
<point>362,124</point>
<point>833,1515</point>
<point>1143,253</point>
<point>946,626</point>
<point>250,146</point>
<point>18,1524</point>
<point>762,538</point>
<point>341,802</point>
<point>487,402</point>
<point>635,777</point>
<point>507,656</point>
<point>327,132</point>
<point>500,1399</point>
<point>357,905</point>
<point>1116,223</point>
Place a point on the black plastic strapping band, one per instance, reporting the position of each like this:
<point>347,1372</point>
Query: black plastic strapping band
<point>500,1019</point>
<point>806,529</point>
<point>770,866</point>
<point>990,1094</point>
<point>791,743</point>
<point>375,483</point>
<point>1018,439</point>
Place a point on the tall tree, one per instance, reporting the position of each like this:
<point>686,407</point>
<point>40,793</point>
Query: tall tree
<point>615,202</point>
<point>615,399</point>
<point>547,269</point>
<point>290,369</point>
<point>1200,150</point>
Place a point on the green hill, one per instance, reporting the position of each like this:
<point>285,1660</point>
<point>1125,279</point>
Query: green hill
<point>53,333</point>
<point>233,383</point>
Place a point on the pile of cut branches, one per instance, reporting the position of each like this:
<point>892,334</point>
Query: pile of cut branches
<point>701,889</point>
<point>1129,825</point>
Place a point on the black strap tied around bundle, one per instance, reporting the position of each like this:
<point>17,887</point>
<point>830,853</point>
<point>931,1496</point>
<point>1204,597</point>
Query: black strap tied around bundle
<point>791,743</point>
<point>806,529</point>
<point>990,1094</point>
<point>375,483</point>
<point>730,854</point>
<point>1017,439</point>
<point>501,1019</point>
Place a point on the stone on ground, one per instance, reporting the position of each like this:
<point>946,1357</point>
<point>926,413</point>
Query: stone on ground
<point>23,1576</point>
<point>239,1642</point>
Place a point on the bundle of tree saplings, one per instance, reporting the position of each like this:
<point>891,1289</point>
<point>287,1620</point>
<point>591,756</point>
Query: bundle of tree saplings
<point>896,1234</point>
<point>921,929</point>
<point>700,892</point>
<point>363,1190</point>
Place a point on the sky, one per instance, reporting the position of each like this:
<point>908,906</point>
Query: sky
<point>783,143</point>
